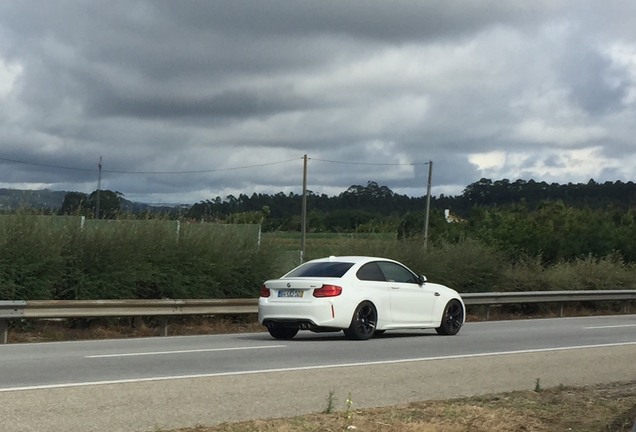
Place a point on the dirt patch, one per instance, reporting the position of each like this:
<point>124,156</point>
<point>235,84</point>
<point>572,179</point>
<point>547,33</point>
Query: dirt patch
<point>609,407</point>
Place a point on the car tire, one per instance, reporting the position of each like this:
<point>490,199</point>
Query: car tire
<point>452,319</point>
<point>283,333</point>
<point>363,322</point>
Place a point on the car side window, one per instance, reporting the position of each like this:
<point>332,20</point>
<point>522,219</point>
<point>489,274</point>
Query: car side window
<point>371,272</point>
<point>396,273</point>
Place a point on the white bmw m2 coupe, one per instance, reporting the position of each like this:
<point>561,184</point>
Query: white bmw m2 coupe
<point>364,296</point>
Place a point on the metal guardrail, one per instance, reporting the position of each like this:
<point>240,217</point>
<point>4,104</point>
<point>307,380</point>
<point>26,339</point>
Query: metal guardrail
<point>42,309</point>
<point>12,309</point>
<point>521,297</point>
<point>34,309</point>
<point>127,308</point>
<point>546,296</point>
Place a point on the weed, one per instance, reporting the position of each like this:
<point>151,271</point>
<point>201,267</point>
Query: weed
<point>537,385</point>
<point>348,414</point>
<point>331,400</point>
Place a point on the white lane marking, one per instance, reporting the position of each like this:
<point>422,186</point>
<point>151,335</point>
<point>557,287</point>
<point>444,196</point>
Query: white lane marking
<point>183,351</point>
<point>609,326</point>
<point>303,368</point>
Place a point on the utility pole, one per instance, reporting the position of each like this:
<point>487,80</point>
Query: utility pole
<point>99,185</point>
<point>428,203</point>
<point>303,219</point>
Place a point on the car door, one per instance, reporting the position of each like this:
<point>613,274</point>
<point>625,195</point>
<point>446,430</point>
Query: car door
<point>411,303</point>
<point>371,284</point>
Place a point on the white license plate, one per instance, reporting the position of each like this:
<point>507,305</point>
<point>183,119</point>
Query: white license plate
<point>290,293</point>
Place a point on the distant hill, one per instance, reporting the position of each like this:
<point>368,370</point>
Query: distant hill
<point>43,199</point>
<point>47,199</point>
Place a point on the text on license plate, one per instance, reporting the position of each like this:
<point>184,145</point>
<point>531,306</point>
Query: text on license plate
<point>290,293</point>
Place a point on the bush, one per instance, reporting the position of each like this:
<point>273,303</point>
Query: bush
<point>129,259</point>
<point>30,256</point>
<point>61,258</point>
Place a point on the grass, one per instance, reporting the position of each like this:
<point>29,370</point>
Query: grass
<point>609,407</point>
<point>331,402</point>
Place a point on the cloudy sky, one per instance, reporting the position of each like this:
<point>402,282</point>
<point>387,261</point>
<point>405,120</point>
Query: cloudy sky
<point>189,100</point>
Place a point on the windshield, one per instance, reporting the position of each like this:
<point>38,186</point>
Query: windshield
<point>320,269</point>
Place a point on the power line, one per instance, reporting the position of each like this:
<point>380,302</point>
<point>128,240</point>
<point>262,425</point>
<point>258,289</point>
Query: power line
<point>147,172</point>
<point>208,170</point>
<point>365,163</point>
<point>45,165</point>
<point>200,171</point>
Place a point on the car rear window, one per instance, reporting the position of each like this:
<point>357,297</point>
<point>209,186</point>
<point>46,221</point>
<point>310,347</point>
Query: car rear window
<point>321,269</point>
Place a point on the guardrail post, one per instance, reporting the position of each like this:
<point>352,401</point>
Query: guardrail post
<point>4,331</point>
<point>561,311</point>
<point>627,307</point>
<point>487,312</point>
<point>134,321</point>
<point>164,326</point>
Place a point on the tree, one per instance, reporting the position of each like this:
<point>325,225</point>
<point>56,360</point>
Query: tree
<point>109,203</point>
<point>248,217</point>
<point>73,203</point>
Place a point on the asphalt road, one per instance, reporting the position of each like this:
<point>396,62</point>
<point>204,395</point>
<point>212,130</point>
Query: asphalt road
<point>145,384</point>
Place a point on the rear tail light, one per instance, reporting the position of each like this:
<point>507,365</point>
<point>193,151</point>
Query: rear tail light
<point>328,291</point>
<point>264,291</point>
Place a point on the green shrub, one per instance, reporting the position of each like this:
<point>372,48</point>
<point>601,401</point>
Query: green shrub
<point>129,259</point>
<point>62,258</point>
<point>30,256</point>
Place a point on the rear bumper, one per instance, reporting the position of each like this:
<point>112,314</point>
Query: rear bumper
<point>303,316</point>
<point>302,324</point>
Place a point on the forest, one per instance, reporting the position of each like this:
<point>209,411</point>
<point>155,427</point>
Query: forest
<point>521,218</point>
<point>554,221</point>
<point>359,205</point>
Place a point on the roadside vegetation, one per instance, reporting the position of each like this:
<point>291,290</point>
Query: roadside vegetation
<point>52,258</point>
<point>46,257</point>
<point>506,236</point>
<point>610,407</point>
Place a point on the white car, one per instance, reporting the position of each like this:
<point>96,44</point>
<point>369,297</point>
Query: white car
<point>361,295</point>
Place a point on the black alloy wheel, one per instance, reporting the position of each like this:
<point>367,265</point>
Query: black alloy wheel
<point>452,319</point>
<point>363,322</point>
<point>280,332</point>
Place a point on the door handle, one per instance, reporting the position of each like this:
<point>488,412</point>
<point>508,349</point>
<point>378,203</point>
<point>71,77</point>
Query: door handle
<point>394,287</point>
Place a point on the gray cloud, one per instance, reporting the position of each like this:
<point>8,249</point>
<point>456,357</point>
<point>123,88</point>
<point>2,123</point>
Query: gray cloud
<point>594,85</point>
<point>482,88</point>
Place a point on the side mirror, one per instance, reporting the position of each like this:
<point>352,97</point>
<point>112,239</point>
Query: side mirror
<point>421,279</point>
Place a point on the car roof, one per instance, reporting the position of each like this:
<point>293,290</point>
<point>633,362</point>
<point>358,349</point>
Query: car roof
<point>350,259</point>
